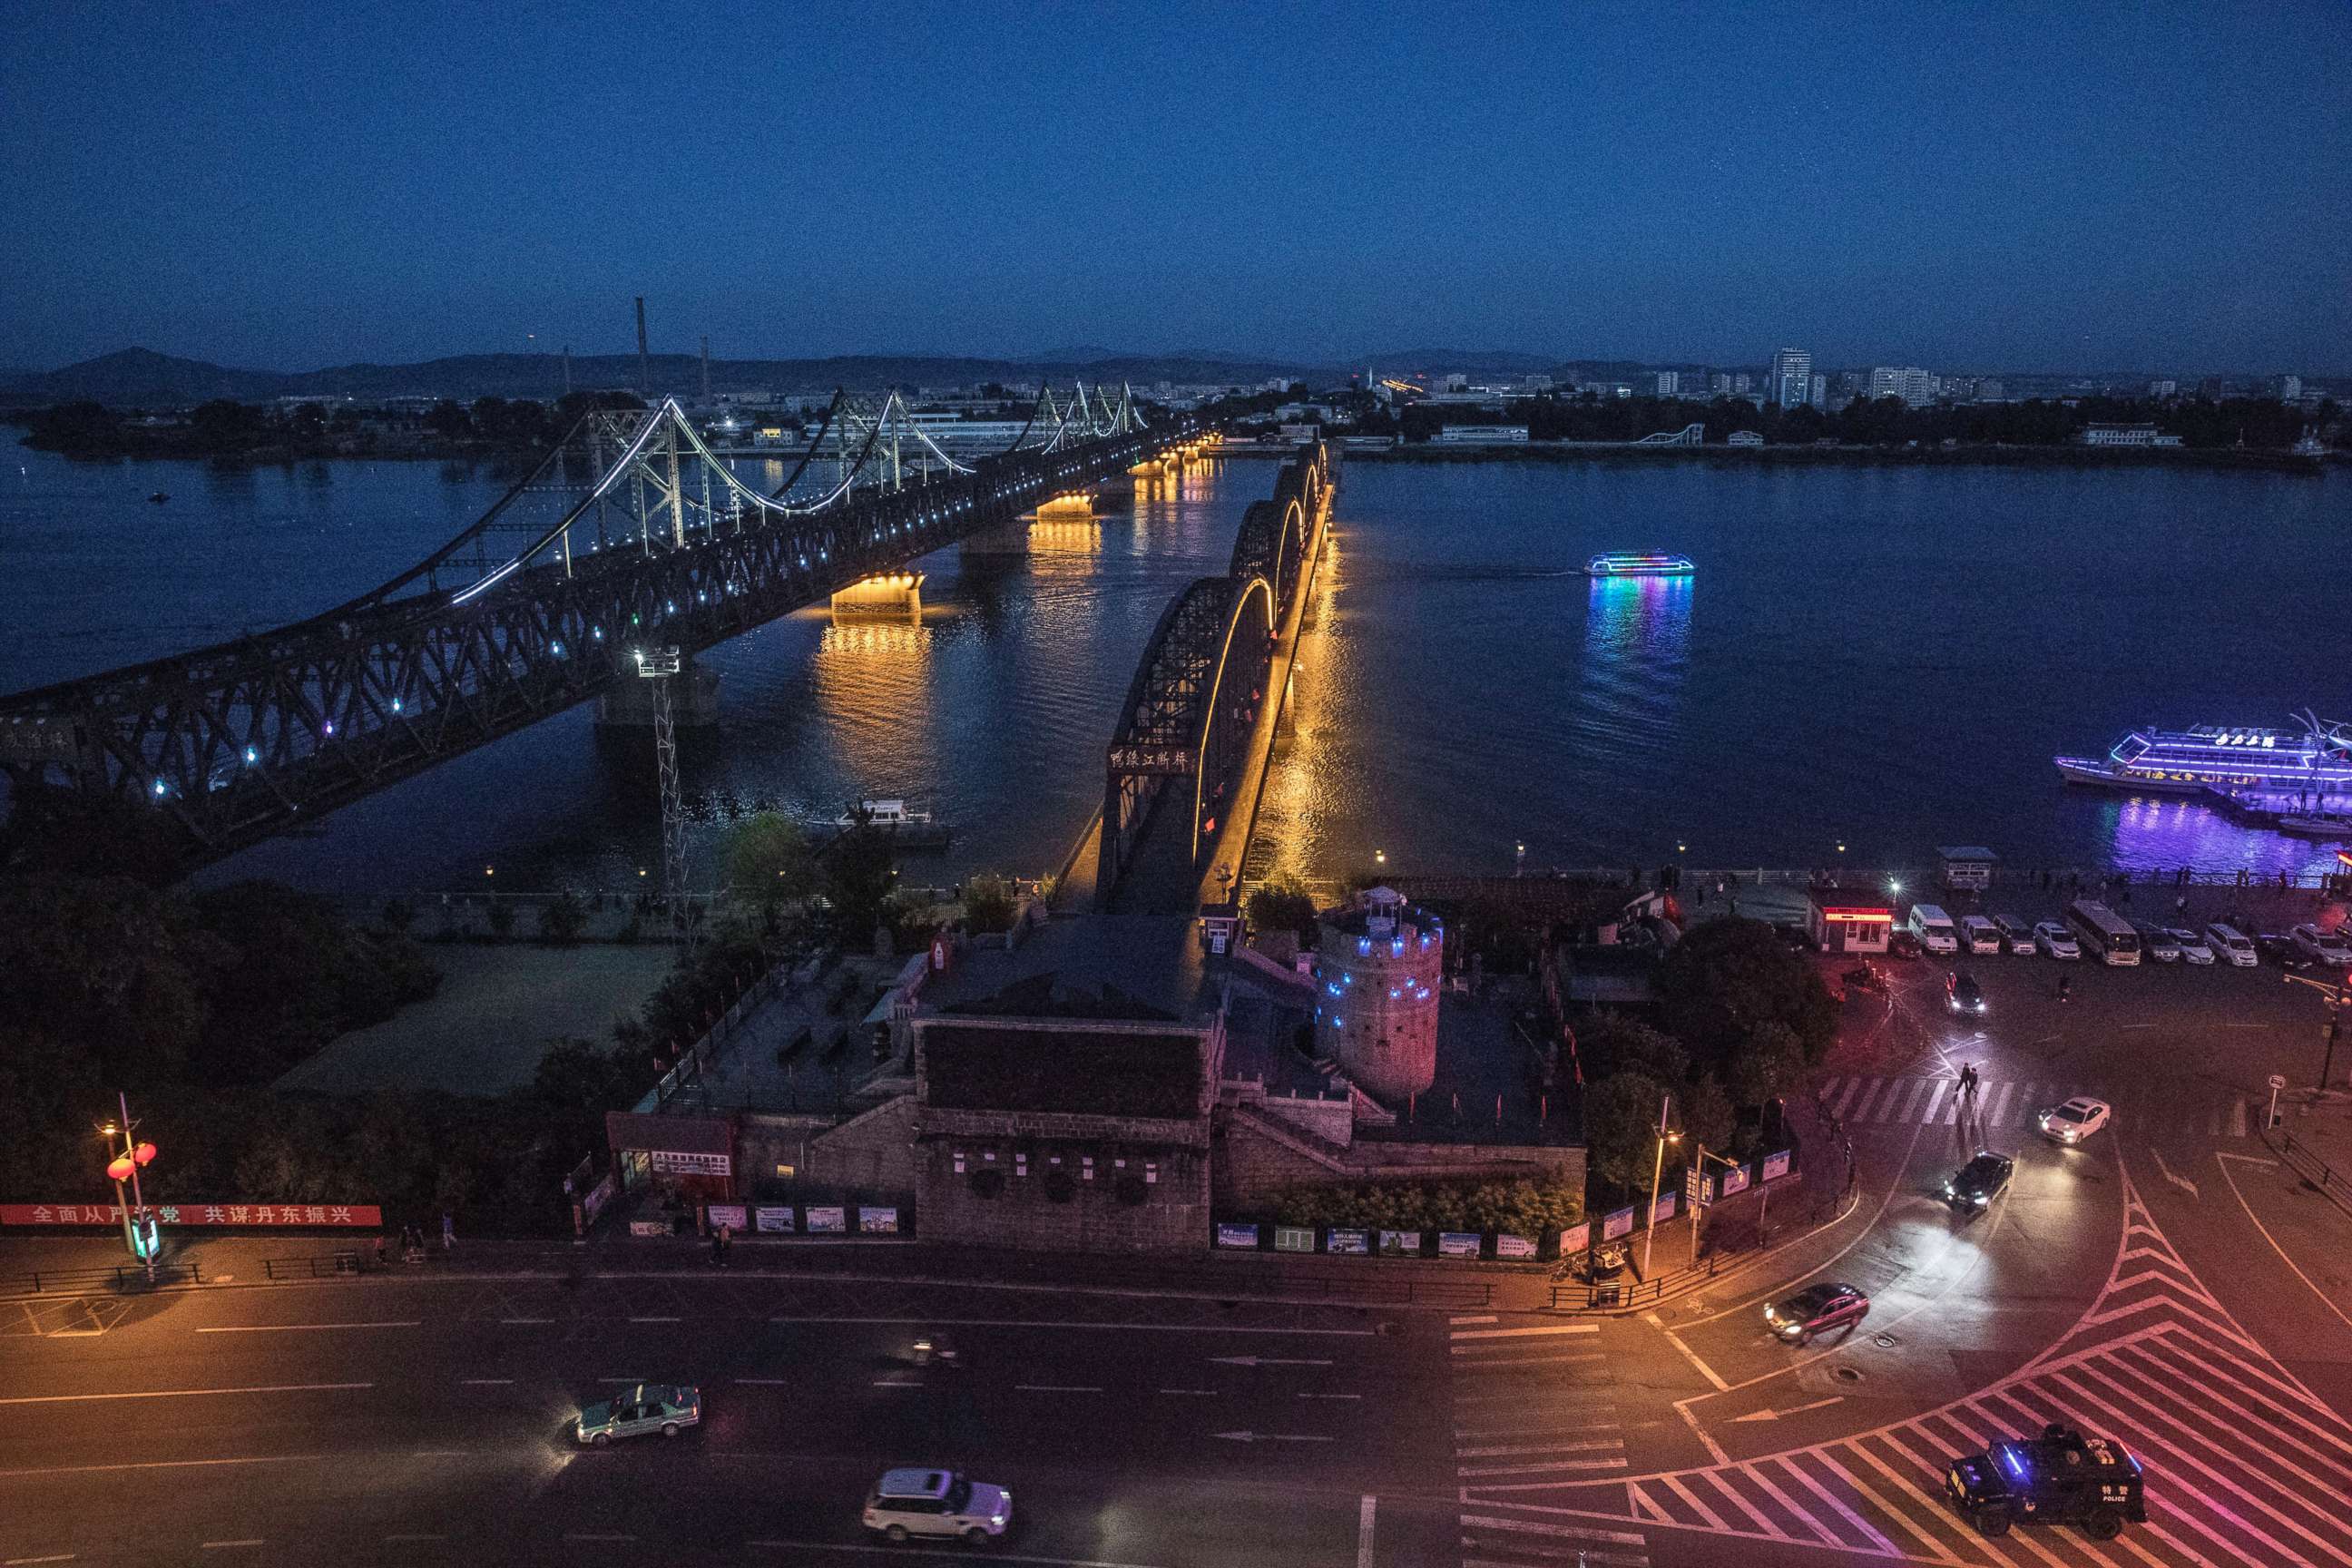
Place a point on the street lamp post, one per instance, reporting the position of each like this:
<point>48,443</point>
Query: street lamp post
<point>1657,1171</point>
<point>125,1166</point>
<point>1698,1163</point>
<point>2335,993</point>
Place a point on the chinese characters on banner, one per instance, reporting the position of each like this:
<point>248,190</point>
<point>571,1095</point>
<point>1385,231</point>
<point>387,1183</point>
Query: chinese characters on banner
<point>671,1162</point>
<point>356,1216</point>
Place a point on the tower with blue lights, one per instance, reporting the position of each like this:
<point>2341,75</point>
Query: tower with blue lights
<point>1379,965</point>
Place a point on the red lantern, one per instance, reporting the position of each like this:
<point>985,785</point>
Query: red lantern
<point>145,1153</point>
<point>119,1168</point>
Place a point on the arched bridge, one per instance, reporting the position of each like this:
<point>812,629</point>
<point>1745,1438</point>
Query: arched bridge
<point>628,532</point>
<point>1178,758</point>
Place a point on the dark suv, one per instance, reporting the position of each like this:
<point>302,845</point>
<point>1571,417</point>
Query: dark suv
<point>2059,1478</point>
<point>1962,993</point>
<point>1975,1185</point>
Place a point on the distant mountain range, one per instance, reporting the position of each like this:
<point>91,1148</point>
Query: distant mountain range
<point>143,378</point>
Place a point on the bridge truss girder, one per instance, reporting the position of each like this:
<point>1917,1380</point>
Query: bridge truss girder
<point>240,740</point>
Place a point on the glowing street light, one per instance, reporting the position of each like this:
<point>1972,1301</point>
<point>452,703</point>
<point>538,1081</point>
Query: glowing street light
<point>1657,1171</point>
<point>138,1228</point>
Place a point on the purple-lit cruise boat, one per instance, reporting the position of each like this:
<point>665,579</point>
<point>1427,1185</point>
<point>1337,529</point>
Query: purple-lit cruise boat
<point>2318,759</point>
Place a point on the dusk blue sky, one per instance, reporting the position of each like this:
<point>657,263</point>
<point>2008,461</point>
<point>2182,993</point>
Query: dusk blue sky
<point>1987,186</point>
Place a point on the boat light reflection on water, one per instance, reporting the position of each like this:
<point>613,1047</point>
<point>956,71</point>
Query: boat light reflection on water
<point>2163,832</point>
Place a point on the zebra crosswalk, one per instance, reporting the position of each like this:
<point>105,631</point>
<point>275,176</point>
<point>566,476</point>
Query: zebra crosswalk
<point>1534,1407</point>
<point>2143,1105</point>
<point>2244,1464</point>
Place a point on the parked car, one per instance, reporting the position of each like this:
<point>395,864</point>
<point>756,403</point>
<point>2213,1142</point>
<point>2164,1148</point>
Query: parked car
<point>915,1502</point>
<point>1975,1185</point>
<point>1962,994</point>
<point>2322,946</point>
<point>639,1412</point>
<point>1865,976</point>
<point>2074,1120</point>
<point>2231,945</point>
<point>2157,942</point>
<point>2056,940</point>
<point>2017,933</point>
<point>1902,945</point>
<point>1816,1310</point>
<point>2193,946</point>
<point>2283,950</point>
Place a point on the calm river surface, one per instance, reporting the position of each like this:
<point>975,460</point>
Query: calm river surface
<point>1882,657</point>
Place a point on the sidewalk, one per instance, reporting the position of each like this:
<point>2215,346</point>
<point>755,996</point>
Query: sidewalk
<point>1390,1283</point>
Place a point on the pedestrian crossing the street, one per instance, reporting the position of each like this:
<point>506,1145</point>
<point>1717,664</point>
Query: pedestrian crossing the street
<point>2244,1465</point>
<point>2146,1106</point>
<point>1534,1407</point>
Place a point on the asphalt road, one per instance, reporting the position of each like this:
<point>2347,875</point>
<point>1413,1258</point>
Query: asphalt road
<point>2169,1285</point>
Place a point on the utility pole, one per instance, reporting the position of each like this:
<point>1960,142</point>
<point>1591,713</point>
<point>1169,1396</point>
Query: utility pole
<point>1658,1171</point>
<point>137,1234</point>
<point>2335,993</point>
<point>645,363</point>
<point>658,664</point>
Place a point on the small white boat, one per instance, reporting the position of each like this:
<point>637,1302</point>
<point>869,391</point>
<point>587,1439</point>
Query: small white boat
<point>890,812</point>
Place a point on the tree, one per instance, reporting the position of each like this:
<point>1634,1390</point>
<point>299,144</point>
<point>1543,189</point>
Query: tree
<point>1704,1114</point>
<point>1612,1043</point>
<point>560,921</point>
<point>1285,904</point>
<point>448,421</point>
<point>856,879</point>
<point>108,970</point>
<point>502,917</point>
<point>1768,1065</point>
<point>399,915</point>
<point>1621,1128</point>
<point>1726,979</point>
<point>768,860</point>
<point>990,903</point>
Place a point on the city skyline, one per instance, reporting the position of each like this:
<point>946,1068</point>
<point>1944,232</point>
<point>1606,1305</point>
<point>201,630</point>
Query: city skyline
<point>1938,193</point>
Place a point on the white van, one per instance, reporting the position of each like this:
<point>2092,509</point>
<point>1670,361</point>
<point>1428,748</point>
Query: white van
<point>1934,929</point>
<point>2230,945</point>
<point>1981,934</point>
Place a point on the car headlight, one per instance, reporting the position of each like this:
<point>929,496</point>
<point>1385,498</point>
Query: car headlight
<point>1950,1191</point>
<point>1981,1199</point>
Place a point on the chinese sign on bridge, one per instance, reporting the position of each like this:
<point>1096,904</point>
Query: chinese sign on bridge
<point>362,1216</point>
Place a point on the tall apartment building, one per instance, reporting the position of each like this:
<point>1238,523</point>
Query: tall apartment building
<point>1667,381</point>
<point>2167,387</point>
<point>1792,377</point>
<point>1817,392</point>
<point>2286,388</point>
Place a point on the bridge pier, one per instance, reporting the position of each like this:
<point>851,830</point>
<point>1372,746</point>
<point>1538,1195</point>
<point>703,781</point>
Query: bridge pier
<point>1072,505</point>
<point>693,701</point>
<point>895,595</point>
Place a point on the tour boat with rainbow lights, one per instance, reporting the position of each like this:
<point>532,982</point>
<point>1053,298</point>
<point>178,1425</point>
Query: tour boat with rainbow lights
<point>1639,563</point>
<point>2316,760</point>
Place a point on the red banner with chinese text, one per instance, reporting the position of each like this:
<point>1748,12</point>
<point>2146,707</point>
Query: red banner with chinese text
<point>362,1216</point>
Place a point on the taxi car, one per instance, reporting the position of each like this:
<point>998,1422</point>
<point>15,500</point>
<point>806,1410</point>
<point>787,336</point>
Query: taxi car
<point>1975,1185</point>
<point>2059,1478</point>
<point>639,1411</point>
<point>2074,1120</point>
<point>1816,1310</point>
<point>920,1500</point>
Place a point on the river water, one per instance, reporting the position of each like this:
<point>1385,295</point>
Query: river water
<point>1882,658</point>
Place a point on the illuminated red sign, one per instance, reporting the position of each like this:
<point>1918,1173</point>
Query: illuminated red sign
<point>364,1216</point>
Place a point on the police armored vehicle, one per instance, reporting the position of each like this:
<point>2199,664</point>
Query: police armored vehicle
<point>2059,1478</point>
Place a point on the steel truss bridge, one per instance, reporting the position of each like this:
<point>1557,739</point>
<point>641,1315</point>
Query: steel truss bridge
<point>629,532</point>
<point>1186,725</point>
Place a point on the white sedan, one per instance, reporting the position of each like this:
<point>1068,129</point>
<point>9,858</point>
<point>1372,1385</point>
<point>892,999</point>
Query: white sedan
<point>2074,1120</point>
<point>2193,947</point>
<point>2056,940</point>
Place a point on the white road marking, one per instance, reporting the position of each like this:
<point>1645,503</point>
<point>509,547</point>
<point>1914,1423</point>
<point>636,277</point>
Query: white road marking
<point>2183,1182</point>
<point>1119,1328</point>
<point>1330,1396</point>
<point>417,1536</point>
<point>1262,1360</point>
<point>1795,1410</point>
<point>897,1382</point>
<point>2325,1301</point>
<point>585,1535</point>
<point>767,1382</point>
<point>1563,1531</point>
<point>1054,1388</point>
<point>525,1320</point>
<point>1521,1333</point>
<point>487,1381</point>
<point>1486,1317</point>
<point>1190,1393</point>
<point>224,1545</point>
<point>1691,1356</point>
<point>1539,1467</point>
<point>2238,1117</point>
<point>654,1321</point>
<point>186,1393</point>
<point>308,1327</point>
<point>1935,1100</point>
<point>1474,1368</point>
<point>1269,1438</point>
<point>1520,1449</point>
<point>56,1557</point>
<point>1364,1530</point>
